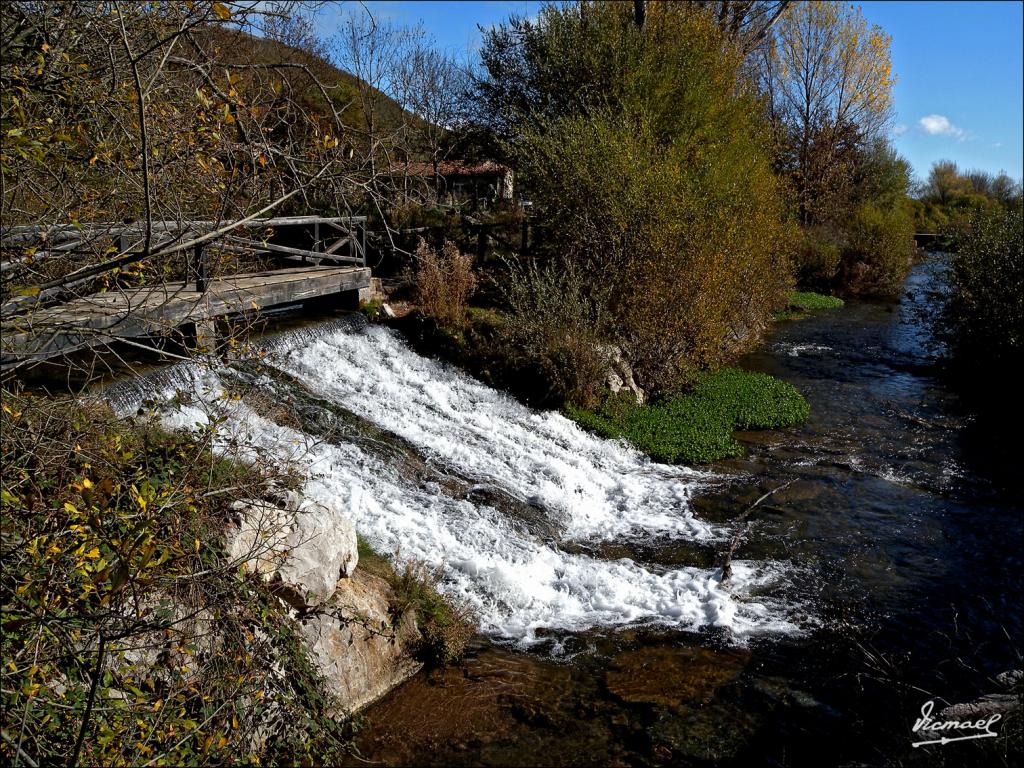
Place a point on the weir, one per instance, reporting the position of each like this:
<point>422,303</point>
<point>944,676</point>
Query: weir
<point>525,578</point>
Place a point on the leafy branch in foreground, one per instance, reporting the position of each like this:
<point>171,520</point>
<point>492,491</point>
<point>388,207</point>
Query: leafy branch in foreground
<point>128,636</point>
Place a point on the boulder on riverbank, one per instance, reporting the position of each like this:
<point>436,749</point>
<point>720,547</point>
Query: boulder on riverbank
<point>619,374</point>
<point>355,638</point>
<point>301,543</point>
<point>355,644</point>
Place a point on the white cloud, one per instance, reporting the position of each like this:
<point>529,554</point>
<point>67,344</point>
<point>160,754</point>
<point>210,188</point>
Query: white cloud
<point>900,129</point>
<point>939,125</point>
<point>997,145</point>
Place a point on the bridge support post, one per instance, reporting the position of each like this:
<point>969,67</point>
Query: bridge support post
<point>203,335</point>
<point>354,299</point>
<point>200,267</point>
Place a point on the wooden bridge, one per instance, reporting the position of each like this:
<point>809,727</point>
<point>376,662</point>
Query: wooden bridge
<point>103,318</point>
<point>191,307</point>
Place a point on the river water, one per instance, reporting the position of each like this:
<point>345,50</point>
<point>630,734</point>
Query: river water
<point>884,575</point>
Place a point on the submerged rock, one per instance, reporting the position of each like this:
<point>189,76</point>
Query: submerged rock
<point>799,491</point>
<point>1010,678</point>
<point>712,733</point>
<point>669,676</point>
<point>993,703</point>
<point>496,708</point>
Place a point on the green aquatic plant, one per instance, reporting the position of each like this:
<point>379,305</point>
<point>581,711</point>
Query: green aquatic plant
<point>696,427</point>
<point>802,302</point>
<point>809,301</point>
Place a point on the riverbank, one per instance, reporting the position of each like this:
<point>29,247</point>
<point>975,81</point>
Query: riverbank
<point>211,610</point>
<point>907,560</point>
<point>691,426</point>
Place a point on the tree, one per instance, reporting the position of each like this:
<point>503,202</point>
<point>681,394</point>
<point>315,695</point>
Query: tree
<point>1006,190</point>
<point>980,182</point>
<point>826,72</point>
<point>945,182</point>
<point>161,114</point>
<point>881,175</point>
<point>122,112</point>
<point>950,200</point>
<point>432,87</point>
<point>748,22</point>
<point>296,31</point>
<point>642,151</point>
<point>373,50</point>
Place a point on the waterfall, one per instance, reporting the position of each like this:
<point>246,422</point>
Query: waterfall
<point>591,490</point>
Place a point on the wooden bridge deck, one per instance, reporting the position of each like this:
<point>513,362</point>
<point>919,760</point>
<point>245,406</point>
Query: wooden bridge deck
<point>102,318</point>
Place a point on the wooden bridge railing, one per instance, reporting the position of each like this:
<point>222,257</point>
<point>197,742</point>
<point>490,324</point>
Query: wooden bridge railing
<point>328,237</point>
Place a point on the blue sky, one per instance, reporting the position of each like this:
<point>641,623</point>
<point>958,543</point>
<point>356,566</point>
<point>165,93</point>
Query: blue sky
<point>962,62</point>
<point>960,88</point>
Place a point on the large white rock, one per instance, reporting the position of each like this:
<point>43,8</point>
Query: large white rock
<point>619,374</point>
<point>356,644</point>
<point>305,544</point>
<point>259,541</point>
<point>323,549</point>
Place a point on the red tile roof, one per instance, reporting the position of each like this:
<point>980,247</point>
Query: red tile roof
<point>450,168</point>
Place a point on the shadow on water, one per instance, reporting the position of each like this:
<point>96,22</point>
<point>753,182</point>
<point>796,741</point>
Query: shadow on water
<point>909,542</point>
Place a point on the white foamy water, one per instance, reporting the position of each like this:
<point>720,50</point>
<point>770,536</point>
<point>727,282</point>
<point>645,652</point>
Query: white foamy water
<point>598,488</point>
<point>515,582</point>
<point>801,350</point>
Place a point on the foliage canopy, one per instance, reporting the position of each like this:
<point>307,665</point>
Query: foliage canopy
<point>642,151</point>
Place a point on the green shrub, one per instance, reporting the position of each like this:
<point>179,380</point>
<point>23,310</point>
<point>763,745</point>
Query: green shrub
<point>373,310</point>
<point>557,323</point>
<point>983,321</point>
<point>445,625</point>
<point>113,575</point>
<point>646,160</point>
<point>444,282</point>
<point>697,427</point>
<point>949,199</point>
<point>817,260</point>
<point>879,252</point>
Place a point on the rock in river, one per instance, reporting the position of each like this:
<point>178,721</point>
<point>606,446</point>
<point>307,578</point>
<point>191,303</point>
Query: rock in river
<point>669,676</point>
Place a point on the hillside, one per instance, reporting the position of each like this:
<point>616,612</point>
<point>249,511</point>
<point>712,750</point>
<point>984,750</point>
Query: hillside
<point>347,91</point>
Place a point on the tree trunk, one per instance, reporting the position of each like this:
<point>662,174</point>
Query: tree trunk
<point>639,12</point>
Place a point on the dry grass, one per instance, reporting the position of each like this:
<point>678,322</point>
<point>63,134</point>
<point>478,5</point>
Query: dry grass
<point>444,283</point>
<point>447,625</point>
